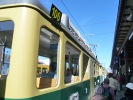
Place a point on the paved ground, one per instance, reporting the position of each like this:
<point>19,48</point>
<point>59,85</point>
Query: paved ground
<point>120,94</point>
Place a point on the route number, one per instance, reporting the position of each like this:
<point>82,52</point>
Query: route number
<point>55,13</point>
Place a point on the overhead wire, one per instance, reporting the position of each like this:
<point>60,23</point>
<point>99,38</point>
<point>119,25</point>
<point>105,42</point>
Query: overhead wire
<point>93,34</point>
<point>97,23</point>
<point>84,25</point>
<point>78,25</point>
<point>74,19</point>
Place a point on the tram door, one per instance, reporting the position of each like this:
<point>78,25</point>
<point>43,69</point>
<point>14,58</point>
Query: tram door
<point>86,77</point>
<point>72,87</point>
<point>91,78</point>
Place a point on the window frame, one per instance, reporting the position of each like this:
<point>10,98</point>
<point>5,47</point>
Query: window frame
<point>57,56</point>
<point>79,62</point>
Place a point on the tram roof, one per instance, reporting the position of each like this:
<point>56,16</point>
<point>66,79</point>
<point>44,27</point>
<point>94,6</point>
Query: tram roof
<point>34,2</point>
<point>71,29</point>
<point>123,30</point>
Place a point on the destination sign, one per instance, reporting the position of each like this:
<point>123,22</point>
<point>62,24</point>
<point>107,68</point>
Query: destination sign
<point>55,13</point>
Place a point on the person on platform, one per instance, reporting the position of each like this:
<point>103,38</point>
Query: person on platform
<point>131,79</point>
<point>118,81</point>
<point>128,92</point>
<point>98,97</point>
<point>106,90</point>
<point>113,83</point>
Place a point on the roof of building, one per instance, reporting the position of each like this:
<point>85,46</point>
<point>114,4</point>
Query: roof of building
<point>123,30</point>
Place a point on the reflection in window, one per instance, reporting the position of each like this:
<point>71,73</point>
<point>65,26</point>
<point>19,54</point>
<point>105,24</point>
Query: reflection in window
<point>71,64</point>
<point>6,35</point>
<point>47,60</point>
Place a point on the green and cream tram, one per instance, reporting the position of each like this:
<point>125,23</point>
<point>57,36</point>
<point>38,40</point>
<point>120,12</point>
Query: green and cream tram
<point>29,38</point>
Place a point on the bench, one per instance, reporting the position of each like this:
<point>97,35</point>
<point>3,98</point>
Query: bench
<point>45,82</point>
<point>76,78</point>
<point>85,77</point>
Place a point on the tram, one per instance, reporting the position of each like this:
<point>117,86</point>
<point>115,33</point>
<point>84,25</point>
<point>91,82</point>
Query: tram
<point>31,35</point>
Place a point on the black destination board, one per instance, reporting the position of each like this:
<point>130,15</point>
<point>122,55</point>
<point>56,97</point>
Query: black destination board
<point>55,13</point>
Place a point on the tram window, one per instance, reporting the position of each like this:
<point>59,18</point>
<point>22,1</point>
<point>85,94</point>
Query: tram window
<point>6,36</point>
<point>85,67</point>
<point>94,70</point>
<point>47,60</point>
<point>71,64</point>
<point>98,70</point>
<point>91,69</point>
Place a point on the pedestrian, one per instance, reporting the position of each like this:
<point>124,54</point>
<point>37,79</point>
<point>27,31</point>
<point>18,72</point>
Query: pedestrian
<point>113,83</point>
<point>98,97</point>
<point>106,90</point>
<point>128,92</point>
<point>118,82</point>
<point>131,79</point>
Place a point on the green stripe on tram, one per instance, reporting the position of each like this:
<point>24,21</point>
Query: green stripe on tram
<point>48,96</point>
<point>83,90</point>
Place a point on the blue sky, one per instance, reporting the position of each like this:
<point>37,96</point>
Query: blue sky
<point>96,17</point>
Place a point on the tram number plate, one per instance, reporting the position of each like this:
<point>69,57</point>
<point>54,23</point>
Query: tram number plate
<point>55,13</point>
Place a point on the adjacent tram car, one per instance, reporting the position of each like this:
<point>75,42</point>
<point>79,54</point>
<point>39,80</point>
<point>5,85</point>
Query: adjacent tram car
<point>35,41</point>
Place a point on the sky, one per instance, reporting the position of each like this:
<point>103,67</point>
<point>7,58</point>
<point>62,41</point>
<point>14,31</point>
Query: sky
<point>95,20</point>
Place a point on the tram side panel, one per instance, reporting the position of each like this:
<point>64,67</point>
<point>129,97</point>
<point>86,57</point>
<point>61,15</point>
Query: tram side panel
<point>72,89</point>
<point>81,88</point>
<point>50,50</point>
<point>92,78</point>
<point>92,86</point>
<point>86,90</point>
<point>22,80</point>
<point>86,76</point>
<point>71,92</point>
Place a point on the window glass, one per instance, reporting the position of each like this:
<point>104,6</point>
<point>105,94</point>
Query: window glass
<point>47,59</point>
<point>94,70</point>
<point>71,64</point>
<point>91,69</point>
<point>6,36</point>
<point>85,67</point>
<point>97,70</point>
